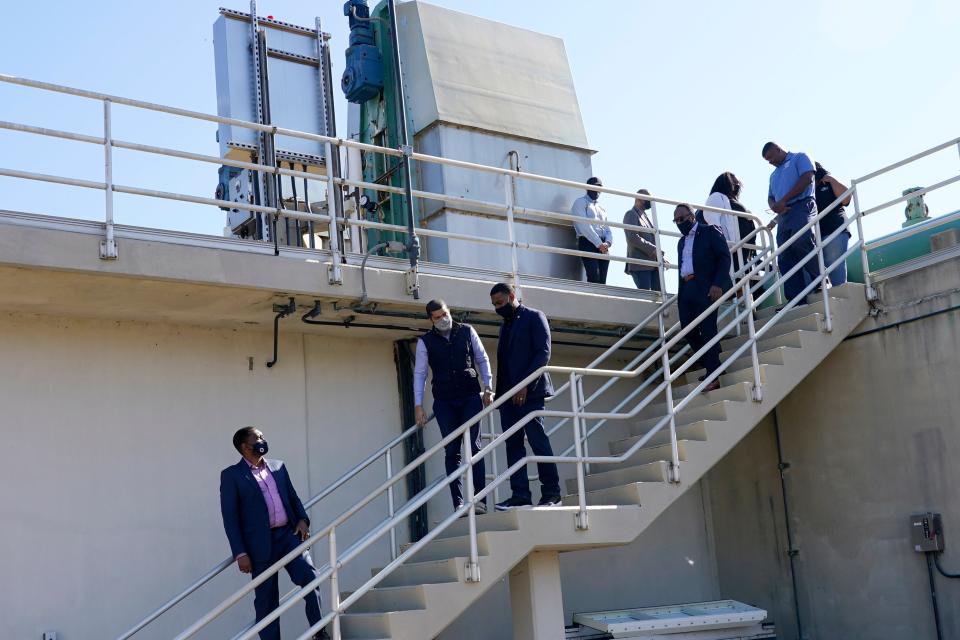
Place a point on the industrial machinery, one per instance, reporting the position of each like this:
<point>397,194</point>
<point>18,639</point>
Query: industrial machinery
<point>274,73</point>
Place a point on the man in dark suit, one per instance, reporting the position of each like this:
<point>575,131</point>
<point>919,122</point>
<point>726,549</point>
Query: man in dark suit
<point>524,347</point>
<point>264,520</point>
<point>704,274</point>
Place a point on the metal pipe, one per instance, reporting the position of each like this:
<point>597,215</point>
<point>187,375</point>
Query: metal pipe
<point>413,242</point>
<point>818,248</point>
<point>390,504</point>
<point>864,261</point>
<point>336,271</point>
<point>582,521</point>
<point>511,234</point>
<point>473,563</point>
<point>334,583</point>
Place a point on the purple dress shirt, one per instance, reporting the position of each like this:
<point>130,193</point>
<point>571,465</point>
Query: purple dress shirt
<point>268,487</point>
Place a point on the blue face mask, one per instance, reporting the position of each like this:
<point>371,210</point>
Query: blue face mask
<point>260,447</point>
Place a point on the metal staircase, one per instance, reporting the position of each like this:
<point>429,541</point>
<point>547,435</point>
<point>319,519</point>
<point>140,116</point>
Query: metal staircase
<point>678,432</point>
<point>429,591</point>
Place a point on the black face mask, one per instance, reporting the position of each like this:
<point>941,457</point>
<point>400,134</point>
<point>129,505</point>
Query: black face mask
<point>593,195</point>
<point>260,447</point>
<point>685,227</point>
<point>506,311</point>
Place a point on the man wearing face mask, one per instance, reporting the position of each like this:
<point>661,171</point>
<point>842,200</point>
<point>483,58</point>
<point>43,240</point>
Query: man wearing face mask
<point>523,348</point>
<point>704,275</point>
<point>593,235</point>
<point>460,366</point>
<point>640,245</point>
<point>264,520</point>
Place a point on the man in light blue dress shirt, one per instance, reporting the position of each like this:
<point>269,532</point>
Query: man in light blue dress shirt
<point>791,198</point>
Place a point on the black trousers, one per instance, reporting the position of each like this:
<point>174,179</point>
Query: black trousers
<point>450,415</point>
<point>301,571</point>
<point>596,269</point>
<point>539,442</point>
<point>691,302</point>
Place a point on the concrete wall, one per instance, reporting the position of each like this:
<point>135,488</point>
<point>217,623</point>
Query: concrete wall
<point>115,436</point>
<point>118,431</point>
<point>872,436</point>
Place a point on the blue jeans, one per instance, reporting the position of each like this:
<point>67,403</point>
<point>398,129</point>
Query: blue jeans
<point>450,415</point>
<point>831,252</point>
<point>646,279</point>
<point>539,442</point>
<point>801,250</point>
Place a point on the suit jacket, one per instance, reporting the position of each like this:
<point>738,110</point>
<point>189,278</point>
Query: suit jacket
<point>640,245</point>
<point>523,351</point>
<point>711,261</point>
<point>245,518</point>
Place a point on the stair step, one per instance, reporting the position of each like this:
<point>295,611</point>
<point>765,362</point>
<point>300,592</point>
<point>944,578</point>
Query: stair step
<point>443,548</point>
<point>687,415</point>
<point>371,626</point>
<point>764,315</point>
<point>739,392</point>
<point>650,472</point>
<point>811,322</point>
<point>729,389</point>
<point>647,454</point>
<point>490,521</point>
<point>419,573</point>
<point>625,494</point>
<point>775,356</point>
<point>386,599</point>
<point>794,340</point>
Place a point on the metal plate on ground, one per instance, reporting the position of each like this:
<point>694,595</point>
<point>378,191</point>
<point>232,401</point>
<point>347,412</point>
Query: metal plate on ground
<point>650,622</point>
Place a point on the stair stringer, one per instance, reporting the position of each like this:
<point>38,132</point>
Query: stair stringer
<point>617,515</point>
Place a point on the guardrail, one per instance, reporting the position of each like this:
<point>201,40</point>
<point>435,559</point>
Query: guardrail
<point>508,208</point>
<point>747,283</point>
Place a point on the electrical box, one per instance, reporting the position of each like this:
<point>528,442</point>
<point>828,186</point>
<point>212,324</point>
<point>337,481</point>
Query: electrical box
<point>926,532</point>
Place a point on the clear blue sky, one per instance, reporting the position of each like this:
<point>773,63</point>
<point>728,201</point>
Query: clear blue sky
<point>672,93</point>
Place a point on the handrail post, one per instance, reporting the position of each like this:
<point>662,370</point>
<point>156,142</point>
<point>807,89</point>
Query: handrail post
<point>583,423</point>
<point>661,270</point>
<point>824,278</point>
<point>334,584</point>
<point>757,391</point>
<point>871,293</point>
<point>493,459</point>
<point>108,246</point>
<point>390,506</point>
<point>674,475</point>
<point>473,562</point>
<point>511,235</point>
<point>582,521</point>
<point>336,271</point>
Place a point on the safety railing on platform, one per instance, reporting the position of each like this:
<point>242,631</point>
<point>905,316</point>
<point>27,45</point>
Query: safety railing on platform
<point>747,283</point>
<point>509,208</point>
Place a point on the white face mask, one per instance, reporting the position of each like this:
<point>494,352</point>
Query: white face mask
<point>444,324</point>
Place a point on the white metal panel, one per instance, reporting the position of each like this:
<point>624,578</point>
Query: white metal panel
<point>466,70</point>
<point>701,616</point>
<point>295,87</point>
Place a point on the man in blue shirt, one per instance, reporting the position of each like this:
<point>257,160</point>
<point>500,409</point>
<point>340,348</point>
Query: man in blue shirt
<point>791,198</point>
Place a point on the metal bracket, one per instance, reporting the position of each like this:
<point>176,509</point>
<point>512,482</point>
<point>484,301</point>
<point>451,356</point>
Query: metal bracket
<point>472,571</point>
<point>413,282</point>
<point>406,150</point>
<point>756,393</point>
<point>334,270</point>
<point>673,474</point>
<point>108,250</point>
<point>582,520</point>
